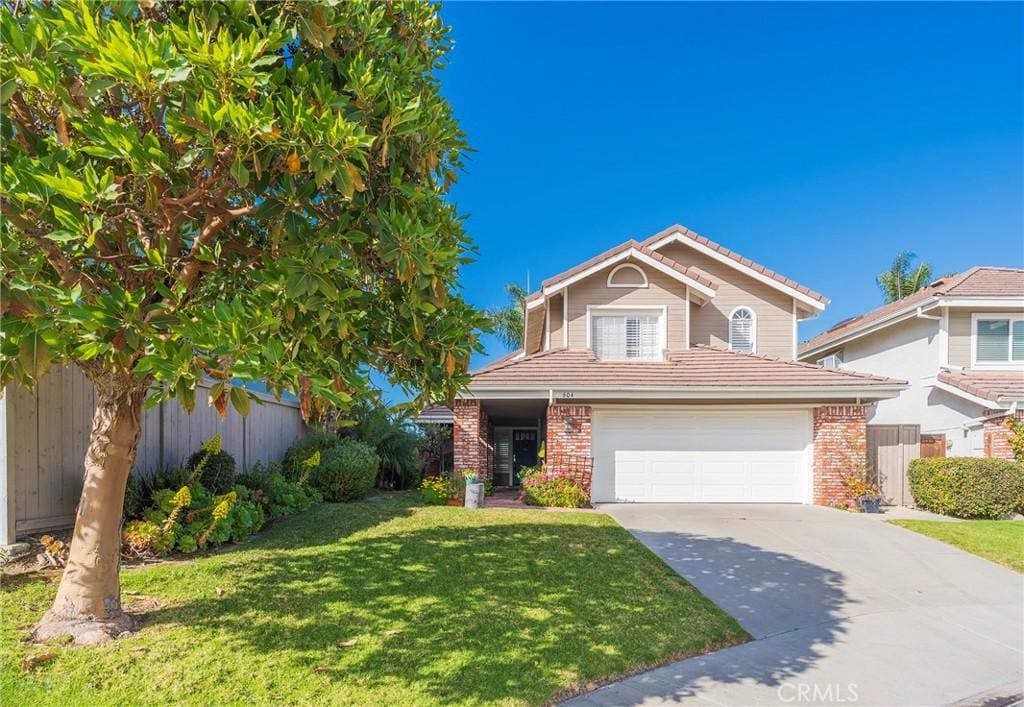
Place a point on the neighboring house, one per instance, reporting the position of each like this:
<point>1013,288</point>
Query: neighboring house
<point>960,344</point>
<point>669,365</point>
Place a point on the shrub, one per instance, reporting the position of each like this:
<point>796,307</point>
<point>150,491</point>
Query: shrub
<point>278,496</point>
<point>968,487</point>
<point>436,490</point>
<point>553,488</point>
<point>217,473</point>
<point>346,472</point>
<point>143,538</point>
<point>296,463</point>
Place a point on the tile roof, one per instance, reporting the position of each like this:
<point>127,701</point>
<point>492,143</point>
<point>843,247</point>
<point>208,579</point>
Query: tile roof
<point>732,255</point>
<point>611,253</point>
<point>990,385</point>
<point>980,281</point>
<point>697,367</point>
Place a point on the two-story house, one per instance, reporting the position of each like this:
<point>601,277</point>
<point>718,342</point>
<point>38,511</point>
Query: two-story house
<point>959,343</point>
<point>669,367</point>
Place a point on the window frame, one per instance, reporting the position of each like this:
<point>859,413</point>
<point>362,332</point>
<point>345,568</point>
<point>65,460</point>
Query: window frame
<point>1009,363</point>
<point>622,310</point>
<point>631,286</point>
<point>753,328</point>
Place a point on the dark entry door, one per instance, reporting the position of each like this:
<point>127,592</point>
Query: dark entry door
<point>524,451</point>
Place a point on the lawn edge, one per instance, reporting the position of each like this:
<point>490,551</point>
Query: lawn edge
<point>897,522</point>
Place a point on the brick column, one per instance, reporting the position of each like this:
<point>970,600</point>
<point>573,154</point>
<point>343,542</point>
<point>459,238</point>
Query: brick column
<point>572,442</point>
<point>840,448</point>
<point>997,436</point>
<point>471,438</point>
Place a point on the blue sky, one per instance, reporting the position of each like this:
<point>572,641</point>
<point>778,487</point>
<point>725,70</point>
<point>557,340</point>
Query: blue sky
<point>816,139</point>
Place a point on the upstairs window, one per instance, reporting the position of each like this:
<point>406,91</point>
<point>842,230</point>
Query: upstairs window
<point>626,336</point>
<point>742,330</point>
<point>998,339</point>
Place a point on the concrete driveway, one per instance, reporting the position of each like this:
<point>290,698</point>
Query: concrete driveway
<point>843,608</point>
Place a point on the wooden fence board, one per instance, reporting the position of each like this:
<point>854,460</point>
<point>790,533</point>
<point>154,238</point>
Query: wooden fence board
<point>48,432</point>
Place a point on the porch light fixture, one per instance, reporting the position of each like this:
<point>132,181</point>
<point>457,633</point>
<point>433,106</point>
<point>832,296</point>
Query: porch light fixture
<point>569,424</point>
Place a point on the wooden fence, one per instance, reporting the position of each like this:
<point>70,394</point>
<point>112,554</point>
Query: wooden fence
<point>47,429</point>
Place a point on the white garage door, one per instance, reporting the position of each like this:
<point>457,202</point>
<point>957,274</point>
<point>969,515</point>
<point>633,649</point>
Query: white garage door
<point>676,455</point>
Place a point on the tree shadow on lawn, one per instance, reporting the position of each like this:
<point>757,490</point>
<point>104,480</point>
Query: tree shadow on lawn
<point>490,606</point>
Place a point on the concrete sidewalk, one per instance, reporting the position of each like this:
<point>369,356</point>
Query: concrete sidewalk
<point>843,609</point>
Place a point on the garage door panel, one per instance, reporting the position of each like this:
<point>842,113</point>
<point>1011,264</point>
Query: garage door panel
<point>707,456</point>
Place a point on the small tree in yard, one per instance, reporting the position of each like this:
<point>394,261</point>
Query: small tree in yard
<point>238,190</point>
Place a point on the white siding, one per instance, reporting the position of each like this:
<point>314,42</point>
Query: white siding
<point>910,351</point>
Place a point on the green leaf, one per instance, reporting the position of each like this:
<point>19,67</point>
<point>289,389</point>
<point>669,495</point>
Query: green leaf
<point>240,401</point>
<point>240,173</point>
<point>34,355</point>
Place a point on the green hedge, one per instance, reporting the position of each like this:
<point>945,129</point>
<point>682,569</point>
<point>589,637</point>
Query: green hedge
<point>347,471</point>
<point>968,487</point>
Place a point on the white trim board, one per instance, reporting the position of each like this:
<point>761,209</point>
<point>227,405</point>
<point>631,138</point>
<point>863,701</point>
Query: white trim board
<point>707,292</point>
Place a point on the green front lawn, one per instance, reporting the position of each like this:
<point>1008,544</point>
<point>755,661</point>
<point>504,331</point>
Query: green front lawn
<point>444,605</point>
<point>1001,541</point>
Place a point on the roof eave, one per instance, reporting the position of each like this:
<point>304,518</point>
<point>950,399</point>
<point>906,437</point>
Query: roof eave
<point>676,236</point>
<point>871,327</point>
<point>569,392</point>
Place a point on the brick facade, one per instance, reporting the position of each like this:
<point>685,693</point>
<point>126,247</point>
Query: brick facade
<point>997,436</point>
<point>472,438</point>
<point>840,448</point>
<point>572,442</point>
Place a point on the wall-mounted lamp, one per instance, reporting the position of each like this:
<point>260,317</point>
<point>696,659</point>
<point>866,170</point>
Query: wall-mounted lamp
<point>569,424</point>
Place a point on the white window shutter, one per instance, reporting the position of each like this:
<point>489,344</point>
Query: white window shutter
<point>741,331</point>
<point>993,340</point>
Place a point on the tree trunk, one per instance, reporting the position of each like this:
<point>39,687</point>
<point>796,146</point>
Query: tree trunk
<point>88,603</point>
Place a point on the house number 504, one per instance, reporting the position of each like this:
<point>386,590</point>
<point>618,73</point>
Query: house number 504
<point>565,394</point>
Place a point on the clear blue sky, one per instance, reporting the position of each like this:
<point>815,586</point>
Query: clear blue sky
<point>817,139</point>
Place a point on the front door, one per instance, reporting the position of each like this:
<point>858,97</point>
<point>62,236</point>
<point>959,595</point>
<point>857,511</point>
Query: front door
<point>524,451</point>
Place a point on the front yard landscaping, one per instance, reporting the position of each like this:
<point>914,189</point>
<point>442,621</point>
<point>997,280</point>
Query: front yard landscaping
<point>377,602</point>
<point>1001,541</point>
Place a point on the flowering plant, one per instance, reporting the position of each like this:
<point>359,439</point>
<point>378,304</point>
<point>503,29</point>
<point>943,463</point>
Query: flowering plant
<point>553,488</point>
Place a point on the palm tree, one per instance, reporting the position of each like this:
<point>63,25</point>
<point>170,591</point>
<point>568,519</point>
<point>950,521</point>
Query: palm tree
<point>508,320</point>
<point>903,278</point>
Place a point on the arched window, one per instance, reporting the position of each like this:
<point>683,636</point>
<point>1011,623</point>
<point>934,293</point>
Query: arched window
<point>627,275</point>
<point>742,330</point>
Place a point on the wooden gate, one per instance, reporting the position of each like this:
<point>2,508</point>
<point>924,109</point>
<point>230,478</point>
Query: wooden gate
<point>933,445</point>
<point>890,449</point>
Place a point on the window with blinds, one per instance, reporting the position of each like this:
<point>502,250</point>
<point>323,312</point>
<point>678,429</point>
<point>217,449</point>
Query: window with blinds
<point>741,330</point>
<point>999,340</point>
<point>626,336</point>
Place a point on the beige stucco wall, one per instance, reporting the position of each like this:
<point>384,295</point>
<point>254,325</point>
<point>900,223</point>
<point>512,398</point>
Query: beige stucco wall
<point>662,290</point>
<point>776,326</point>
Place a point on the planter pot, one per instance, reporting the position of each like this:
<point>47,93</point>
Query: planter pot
<point>870,504</point>
<point>474,495</point>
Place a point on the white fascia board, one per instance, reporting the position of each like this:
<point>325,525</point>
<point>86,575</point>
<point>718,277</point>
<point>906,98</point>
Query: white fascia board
<point>659,393</point>
<point>531,304</point>
<point>624,255</point>
<point>998,302</point>
<point>953,390</point>
<point>897,316</point>
<point>746,270</point>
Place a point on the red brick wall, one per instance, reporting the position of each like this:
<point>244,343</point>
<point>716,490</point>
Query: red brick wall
<point>472,438</point>
<point>561,442</point>
<point>840,447</point>
<point>997,436</point>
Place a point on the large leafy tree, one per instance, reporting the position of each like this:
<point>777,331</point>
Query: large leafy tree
<point>903,277</point>
<point>242,191</point>
<point>507,320</point>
